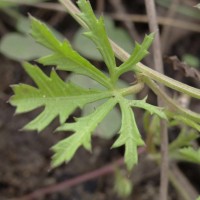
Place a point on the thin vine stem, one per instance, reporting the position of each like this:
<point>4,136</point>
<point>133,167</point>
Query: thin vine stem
<point>167,81</point>
<point>172,105</point>
<point>132,89</point>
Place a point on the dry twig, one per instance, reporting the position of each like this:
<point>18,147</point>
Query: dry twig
<point>118,6</point>
<point>161,20</point>
<point>100,6</point>
<point>167,29</point>
<point>151,12</point>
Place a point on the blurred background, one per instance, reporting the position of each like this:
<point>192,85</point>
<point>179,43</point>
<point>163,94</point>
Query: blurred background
<point>25,156</point>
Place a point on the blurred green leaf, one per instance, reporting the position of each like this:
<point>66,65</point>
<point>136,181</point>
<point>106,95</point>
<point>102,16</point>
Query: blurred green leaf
<point>5,4</point>
<point>23,24</point>
<point>111,123</point>
<point>183,9</point>
<point>190,154</point>
<point>8,3</point>
<point>177,118</point>
<point>191,60</point>
<point>198,198</point>
<point>118,35</point>
<point>183,139</point>
<point>123,185</point>
<point>21,47</point>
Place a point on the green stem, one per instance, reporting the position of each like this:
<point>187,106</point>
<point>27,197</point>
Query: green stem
<point>178,187</point>
<point>176,85</point>
<point>152,74</point>
<point>173,106</point>
<point>132,89</point>
<point>181,184</point>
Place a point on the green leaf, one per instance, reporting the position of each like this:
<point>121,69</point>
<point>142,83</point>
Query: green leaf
<point>110,124</point>
<point>183,9</point>
<point>83,128</point>
<point>97,34</point>
<point>139,52</point>
<point>42,34</point>
<point>191,60</point>
<point>185,119</point>
<point>188,122</point>
<point>57,97</point>
<point>118,35</point>
<point>7,3</point>
<point>24,48</point>
<point>23,24</point>
<point>4,4</point>
<point>21,47</point>
<point>123,185</point>
<point>183,139</point>
<point>198,198</point>
<point>152,109</point>
<point>190,154</point>
<point>129,135</point>
<point>64,57</point>
<point>84,81</point>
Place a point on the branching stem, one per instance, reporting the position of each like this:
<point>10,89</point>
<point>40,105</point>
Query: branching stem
<point>146,71</point>
<point>132,89</point>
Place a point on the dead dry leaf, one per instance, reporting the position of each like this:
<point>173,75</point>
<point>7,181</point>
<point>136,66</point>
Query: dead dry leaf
<point>183,67</point>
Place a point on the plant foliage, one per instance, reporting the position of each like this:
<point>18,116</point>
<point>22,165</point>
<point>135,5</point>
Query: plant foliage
<point>191,155</point>
<point>60,99</point>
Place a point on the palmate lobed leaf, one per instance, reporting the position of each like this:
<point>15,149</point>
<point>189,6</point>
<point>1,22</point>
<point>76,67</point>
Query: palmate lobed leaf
<point>61,99</point>
<point>83,128</point>
<point>57,97</point>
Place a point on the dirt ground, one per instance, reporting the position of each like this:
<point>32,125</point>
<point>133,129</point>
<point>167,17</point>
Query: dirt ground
<point>25,156</point>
